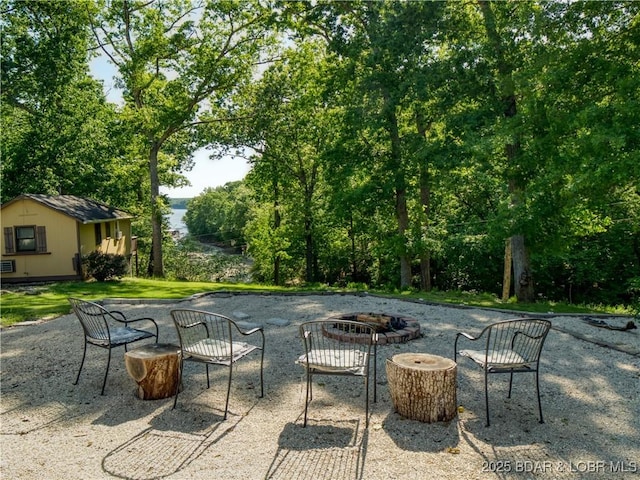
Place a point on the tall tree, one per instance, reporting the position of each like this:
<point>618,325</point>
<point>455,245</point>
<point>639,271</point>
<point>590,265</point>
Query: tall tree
<point>384,43</point>
<point>503,62</point>
<point>180,62</point>
<point>56,135</point>
<point>292,127</point>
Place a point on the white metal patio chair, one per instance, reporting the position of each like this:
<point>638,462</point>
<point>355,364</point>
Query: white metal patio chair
<point>338,347</point>
<point>209,338</point>
<point>511,346</point>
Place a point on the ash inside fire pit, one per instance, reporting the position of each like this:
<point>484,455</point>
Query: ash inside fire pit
<point>390,328</point>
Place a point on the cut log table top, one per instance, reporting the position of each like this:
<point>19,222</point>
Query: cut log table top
<point>423,361</point>
<point>154,350</point>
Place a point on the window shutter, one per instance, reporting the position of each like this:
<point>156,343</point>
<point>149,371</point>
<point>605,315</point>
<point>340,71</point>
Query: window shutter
<point>8,240</point>
<point>41,239</point>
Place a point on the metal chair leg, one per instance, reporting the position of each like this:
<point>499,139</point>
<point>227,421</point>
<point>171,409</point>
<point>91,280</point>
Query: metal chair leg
<point>510,383</point>
<point>538,392</point>
<point>262,374</point>
<point>84,354</point>
<point>226,405</point>
<point>366,399</point>
<point>375,372</point>
<point>175,398</point>
<point>486,395</point>
<point>307,398</point>
<point>106,373</point>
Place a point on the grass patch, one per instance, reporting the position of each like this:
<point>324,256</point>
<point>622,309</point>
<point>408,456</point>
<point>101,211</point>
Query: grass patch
<point>21,303</point>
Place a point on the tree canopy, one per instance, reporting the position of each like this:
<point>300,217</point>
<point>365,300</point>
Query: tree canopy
<point>478,145</point>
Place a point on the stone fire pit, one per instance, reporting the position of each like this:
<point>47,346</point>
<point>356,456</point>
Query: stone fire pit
<point>391,328</point>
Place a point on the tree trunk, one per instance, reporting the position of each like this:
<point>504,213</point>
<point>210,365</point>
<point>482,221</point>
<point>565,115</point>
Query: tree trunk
<point>156,212</point>
<point>523,282</point>
<point>506,276</point>
<point>354,263</point>
<point>523,286</point>
<point>308,240</point>
<point>403,224</point>
<point>425,201</point>
<point>423,387</point>
<point>155,368</point>
<point>276,225</point>
<point>402,213</point>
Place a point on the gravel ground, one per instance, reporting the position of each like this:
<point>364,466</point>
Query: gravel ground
<point>52,429</point>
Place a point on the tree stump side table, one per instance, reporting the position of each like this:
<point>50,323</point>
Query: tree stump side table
<point>423,386</point>
<point>155,368</point>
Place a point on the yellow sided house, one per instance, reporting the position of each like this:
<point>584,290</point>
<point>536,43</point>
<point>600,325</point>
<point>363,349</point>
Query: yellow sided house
<point>44,237</point>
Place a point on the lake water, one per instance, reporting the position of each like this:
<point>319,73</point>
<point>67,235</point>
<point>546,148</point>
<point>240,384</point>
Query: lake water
<point>175,220</point>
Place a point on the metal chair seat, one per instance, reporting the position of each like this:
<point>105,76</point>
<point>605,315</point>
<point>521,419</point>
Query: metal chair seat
<point>496,360</point>
<point>121,336</point>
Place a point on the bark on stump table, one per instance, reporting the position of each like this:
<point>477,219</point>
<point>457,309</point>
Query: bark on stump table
<point>423,386</point>
<point>155,368</point>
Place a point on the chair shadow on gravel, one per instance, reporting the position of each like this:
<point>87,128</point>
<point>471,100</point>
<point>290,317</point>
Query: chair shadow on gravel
<point>173,441</point>
<point>328,450</point>
<point>30,417</point>
<point>415,436</point>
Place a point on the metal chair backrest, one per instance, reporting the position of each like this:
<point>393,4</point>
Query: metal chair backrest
<point>205,334</point>
<point>93,318</point>
<point>337,346</point>
<point>516,342</point>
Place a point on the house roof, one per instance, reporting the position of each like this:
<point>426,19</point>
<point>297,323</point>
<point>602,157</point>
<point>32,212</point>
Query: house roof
<point>82,209</point>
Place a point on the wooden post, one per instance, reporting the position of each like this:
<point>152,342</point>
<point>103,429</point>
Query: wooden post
<point>155,368</point>
<point>423,387</point>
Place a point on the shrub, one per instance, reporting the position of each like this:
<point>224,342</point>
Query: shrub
<point>105,266</point>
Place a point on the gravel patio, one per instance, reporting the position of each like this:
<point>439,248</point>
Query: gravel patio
<point>590,387</point>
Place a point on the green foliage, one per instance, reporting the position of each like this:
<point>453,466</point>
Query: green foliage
<point>105,266</point>
<point>179,203</point>
<point>634,292</point>
<point>57,134</point>
<point>196,262</point>
<point>372,107</point>
<point>470,263</point>
<point>180,63</point>
<point>220,214</point>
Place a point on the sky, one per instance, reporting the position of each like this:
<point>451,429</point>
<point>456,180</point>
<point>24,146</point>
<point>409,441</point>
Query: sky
<point>209,173</point>
<point>205,173</point>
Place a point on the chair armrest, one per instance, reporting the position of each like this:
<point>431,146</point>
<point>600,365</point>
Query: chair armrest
<point>532,337</point>
<point>127,321</point>
<point>148,319</point>
<point>195,324</point>
<point>249,332</point>
<point>468,337</point>
<point>117,313</point>
<point>246,333</point>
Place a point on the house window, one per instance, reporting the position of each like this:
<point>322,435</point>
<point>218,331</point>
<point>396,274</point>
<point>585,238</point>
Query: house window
<point>98,230</point>
<point>26,239</point>
<point>107,232</point>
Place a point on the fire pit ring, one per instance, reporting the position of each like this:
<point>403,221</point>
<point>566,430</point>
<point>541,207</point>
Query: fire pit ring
<point>391,328</point>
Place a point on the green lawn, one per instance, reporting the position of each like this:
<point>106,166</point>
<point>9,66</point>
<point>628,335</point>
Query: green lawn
<point>20,304</point>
